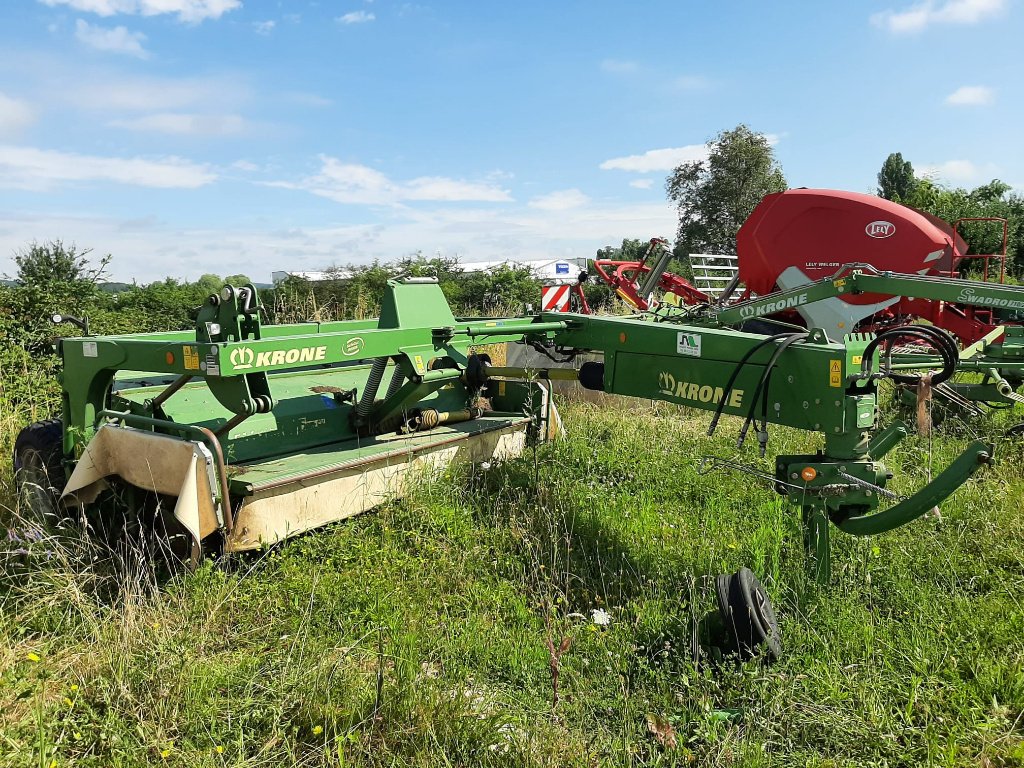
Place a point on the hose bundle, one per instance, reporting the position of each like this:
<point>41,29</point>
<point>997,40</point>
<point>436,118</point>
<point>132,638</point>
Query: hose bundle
<point>941,341</point>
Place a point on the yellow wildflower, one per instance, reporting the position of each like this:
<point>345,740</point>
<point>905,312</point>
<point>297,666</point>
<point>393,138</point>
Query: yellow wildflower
<point>33,657</point>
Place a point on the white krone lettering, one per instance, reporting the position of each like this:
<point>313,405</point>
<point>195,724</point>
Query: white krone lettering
<point>306,354</point>
<point>262,359</point>
<point>292,356</point>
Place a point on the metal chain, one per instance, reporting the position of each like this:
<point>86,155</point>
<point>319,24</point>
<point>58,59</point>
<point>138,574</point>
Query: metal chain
<point>885,492</point>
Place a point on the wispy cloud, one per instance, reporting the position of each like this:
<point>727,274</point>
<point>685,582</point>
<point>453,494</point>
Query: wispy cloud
<point>307,99</point>
<point>971,96</point>
<point>666,159</point>
<point>264,27</point>
<point>157,94</point>
<point>115,40</point>
<point>185,10</point>
<point>150,249</point>
<point>918,17</point>
<point>356,17</point>
<point>184,124</point>
<point>41,169</point>
<point>361,185</point>
<point>15,116</point>
<point>560,200</point>
<point>642,183</point>
<point>691,83</point>
<point>619,66</point>
<point>957,171</point>
<point>657,159</point>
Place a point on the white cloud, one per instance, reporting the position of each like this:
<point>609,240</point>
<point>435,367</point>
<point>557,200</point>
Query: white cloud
<point>691,82</point>
<point>642,183</point>
<point>245,165</point>
<point>956,171</point>
<point>264,27</point>
<point>116,40</point>
<point>185,124</point>
<point>361,185</point>
<point>971,96</point>
<point>307,99</point>
<point>150,249</point>
<point>657,159</point>
<point>561,200</point>
<point>918,17</point>
<point>619,66</point>
<point>157,94</point>
<point>356,17</point>
<point>42,169</point>
<point>186,10</point>
<point>667,159</point>
<point>15,115</point>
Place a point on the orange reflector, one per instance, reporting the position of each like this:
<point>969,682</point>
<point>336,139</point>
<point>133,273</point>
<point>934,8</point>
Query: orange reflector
<point>808,474</point>
<point>622,338</point>
<point>170,358</point>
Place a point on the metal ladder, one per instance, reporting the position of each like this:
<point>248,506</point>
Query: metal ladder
<point>713,272</point>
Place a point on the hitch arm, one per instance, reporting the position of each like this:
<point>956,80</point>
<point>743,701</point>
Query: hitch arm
<point>956,474</point>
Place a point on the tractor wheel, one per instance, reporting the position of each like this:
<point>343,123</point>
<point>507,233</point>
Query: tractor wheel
<point>748,615</point>
<point>39,472</point>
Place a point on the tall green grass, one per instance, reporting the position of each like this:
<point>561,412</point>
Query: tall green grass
<point>422,634</point>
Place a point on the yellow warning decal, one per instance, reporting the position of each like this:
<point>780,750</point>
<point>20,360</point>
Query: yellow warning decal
<point>839,283</point>
<point>835,373</point>
<point>191,355</point>
<point>858,359</point>
<point>418,360</point>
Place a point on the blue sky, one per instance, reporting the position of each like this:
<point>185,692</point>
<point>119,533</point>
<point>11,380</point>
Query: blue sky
<point>193,136</point>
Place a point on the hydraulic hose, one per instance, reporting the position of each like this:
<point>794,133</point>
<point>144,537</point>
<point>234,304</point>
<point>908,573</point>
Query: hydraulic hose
<point>942,341</point>
<point>735,374</point>
<point>762,389</point>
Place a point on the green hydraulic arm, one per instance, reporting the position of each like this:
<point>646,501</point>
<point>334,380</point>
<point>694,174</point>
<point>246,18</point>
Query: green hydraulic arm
<point>856,279</point>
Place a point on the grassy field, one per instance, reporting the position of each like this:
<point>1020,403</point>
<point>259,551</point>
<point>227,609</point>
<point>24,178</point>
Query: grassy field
<point>428,632</point>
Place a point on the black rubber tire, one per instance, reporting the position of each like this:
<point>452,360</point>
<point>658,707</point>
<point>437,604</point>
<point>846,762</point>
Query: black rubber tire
<point>39,475</point>
<point>748,615</point>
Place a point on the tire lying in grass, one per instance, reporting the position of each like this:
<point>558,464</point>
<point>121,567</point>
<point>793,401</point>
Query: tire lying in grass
<point>748,616</point>
<point>38,468</point>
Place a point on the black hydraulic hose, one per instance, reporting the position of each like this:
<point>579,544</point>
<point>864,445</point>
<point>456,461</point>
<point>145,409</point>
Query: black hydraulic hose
<point>761,388</point>
<point>735,374</point>
<point>942,341</point>
<point>766,379</point>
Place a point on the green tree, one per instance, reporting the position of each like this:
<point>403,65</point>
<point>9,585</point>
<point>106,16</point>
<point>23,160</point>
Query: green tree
<point>896,179</point>
<point>52,278</point>
<point>993,199</point>
<point>715,196</point>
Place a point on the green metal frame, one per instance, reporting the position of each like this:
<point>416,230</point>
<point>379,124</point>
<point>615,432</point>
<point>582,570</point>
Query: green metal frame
<point>273,394</point>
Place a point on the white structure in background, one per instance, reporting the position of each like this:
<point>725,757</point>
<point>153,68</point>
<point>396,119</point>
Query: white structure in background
<point>713,272</point>
<point>549,271</point>
<point>312,276</point>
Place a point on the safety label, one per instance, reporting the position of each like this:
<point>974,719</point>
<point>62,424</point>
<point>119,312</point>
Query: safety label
<point>835,373</point>
<point>191,358</point>
<point>688,344</point>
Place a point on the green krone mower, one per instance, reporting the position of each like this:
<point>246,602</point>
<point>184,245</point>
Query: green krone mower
<point>240,434</point>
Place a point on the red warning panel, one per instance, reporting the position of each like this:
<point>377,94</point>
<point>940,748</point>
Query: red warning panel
<point>555,298</point>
